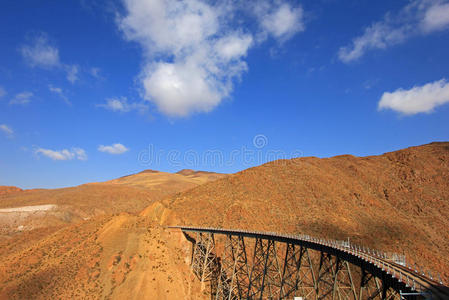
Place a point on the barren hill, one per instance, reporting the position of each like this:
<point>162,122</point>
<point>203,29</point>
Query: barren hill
<point>55,207</point>
<point>398,201</point>
<point>162,181</point>
<point>84,241</point>
<point>392,202</point>
<point>8,189</point>
<point>108,257</point>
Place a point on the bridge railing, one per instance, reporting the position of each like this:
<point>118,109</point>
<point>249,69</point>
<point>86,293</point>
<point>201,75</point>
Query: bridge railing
<point>379,258</point>
<point>375,257</point>
<point>392,263</point>
<point>362,251</point>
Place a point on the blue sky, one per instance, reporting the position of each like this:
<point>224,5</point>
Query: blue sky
<point>93,90</point>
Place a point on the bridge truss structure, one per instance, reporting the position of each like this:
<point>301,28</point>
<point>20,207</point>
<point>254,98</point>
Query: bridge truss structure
<point>238,264</point>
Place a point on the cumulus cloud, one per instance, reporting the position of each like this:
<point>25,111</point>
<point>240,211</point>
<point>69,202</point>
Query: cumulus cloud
<point>419,99</point>
<point>113,149</point>
<point>417,18</point>
<point>21,98</point>
<point>41,53</point>
<point>121,104</point>
<point>233,46</point>
<point>436,18</point>
<point>6,130</point>
<point>281,21</point>
<point>65,154</point>
<point>58,91</point>
<point>193,51</point>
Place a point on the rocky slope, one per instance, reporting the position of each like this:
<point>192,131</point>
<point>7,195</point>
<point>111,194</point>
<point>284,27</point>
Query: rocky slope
<point>8,189</point>
<point>397,202</point>
<point>22,211</point>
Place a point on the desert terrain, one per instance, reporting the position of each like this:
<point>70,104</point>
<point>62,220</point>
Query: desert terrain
<point>24,210</point>
<point>109,240</point>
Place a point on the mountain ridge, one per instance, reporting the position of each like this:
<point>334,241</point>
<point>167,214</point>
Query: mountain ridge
<point>394,202</point>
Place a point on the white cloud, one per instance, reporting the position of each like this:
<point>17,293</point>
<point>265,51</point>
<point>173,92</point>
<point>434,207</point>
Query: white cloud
<point>436,18</point>
<point>179,89</point>
<point>54,89</point>
<point>80,153</point>
<point>417,18</point>
<point>39,52</point>
<point>72,73</point>
<point>2,92</point>
<point>122,105</point>
<point>113,149</point>
<point>193,53</point>
<point>65,154</point>
<point>7,130</point>
<point>233,46</point>
<point>21,98</point>
<point>419,99</point>
<point>58,91</point>
<point>281,21</point>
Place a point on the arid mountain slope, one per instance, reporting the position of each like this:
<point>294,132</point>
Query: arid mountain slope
<point>8,189</point>
<point>163,182</point>
<point>87,242</point>
<point>107,257</point>
<point>398,201</point>
<point>30,209</point>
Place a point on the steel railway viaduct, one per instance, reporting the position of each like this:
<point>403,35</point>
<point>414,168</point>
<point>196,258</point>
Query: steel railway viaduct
<point>238,264</point>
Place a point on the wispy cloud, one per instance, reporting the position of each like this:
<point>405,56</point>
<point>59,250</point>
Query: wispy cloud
<point>2,92</point>
<point>419,99</point>
<point>195,50</point>
<point>21,98</point>
<point>72,73</point>
<point>122,105</point>
<point>58,91</point>
<point>96,72</point>
<point>55,89</point>
<point>113,149</point>
<point>40,52</point>
<point>6,130</point>
<point>65,154</point>
<point>419,17</point>
<point>370,83</point>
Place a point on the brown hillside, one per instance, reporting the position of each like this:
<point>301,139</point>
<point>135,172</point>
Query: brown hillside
<point>162,181</point>
<point>107,257</point>
<point>398,201</point>
<point>391,202</point>
<point>30,209</point>
<point>71,243</point>
<point>8,189</point>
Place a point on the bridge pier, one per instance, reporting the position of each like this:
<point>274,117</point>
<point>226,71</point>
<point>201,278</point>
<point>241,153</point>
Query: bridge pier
<point>248,265</point>
<point>204,259</point>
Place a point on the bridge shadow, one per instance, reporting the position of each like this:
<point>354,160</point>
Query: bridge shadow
<point>193,242</point>
<point>215,274</point>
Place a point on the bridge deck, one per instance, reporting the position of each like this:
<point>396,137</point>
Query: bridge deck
<point>350,253</point>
